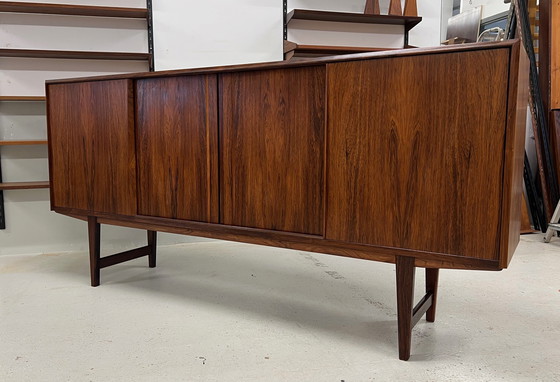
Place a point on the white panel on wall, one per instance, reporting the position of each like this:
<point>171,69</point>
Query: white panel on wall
<point>197,33</point>
<point>26,76</point>
<point>22,120</point>
<point>356,6</point>
<point>310,32</point>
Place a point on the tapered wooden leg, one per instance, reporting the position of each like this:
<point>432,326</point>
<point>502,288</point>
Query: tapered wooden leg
<point>432,276</point>
<point>94,233</point>
<point>405,295</point>
<point>152,244</point>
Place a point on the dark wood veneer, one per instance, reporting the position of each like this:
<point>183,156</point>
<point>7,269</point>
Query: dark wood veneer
<point>396,164</point>
<point>177,147</point>
<point>272,149</point>
<point>95,156</point>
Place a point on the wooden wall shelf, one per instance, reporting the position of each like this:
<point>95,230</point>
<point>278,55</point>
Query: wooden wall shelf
<point>291,49</point>
<point>346,17</point>
<point>74,54</point>
<point>23,99</point>
<point>72,10</point>
<point>24,185</point>
<point>23,143</point>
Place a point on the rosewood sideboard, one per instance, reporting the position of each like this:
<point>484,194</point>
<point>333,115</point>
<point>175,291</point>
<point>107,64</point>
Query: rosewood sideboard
<point>412,157</point>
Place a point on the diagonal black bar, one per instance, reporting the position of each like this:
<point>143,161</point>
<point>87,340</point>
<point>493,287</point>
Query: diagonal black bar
<point>124,256</point>
<point>421,308</point>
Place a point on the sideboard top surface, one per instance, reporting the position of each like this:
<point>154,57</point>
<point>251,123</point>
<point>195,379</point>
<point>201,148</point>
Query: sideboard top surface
<point>299,63</point>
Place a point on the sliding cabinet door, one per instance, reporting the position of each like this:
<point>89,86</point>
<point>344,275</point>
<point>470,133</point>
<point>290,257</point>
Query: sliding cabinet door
<point>176,122</point>
<point>272,141</point>
<point>91,146</point>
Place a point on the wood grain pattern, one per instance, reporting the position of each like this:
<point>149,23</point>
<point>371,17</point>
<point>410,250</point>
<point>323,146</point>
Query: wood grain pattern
<point>272,142</point>
<point>410,164</point>
<point>518,99</point>
<point>177,140</point>
<point>91,146</point>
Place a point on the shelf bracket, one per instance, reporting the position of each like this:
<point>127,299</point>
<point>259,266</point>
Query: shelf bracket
<point>285,6</point>
<point>150,22</point>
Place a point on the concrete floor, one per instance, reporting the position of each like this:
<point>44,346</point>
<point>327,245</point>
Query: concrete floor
<point>221,311</point>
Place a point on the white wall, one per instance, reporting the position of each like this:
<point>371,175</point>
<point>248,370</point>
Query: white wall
<point>194,33</point>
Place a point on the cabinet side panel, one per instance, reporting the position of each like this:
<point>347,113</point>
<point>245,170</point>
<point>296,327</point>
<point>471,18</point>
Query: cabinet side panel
<point>415,151</point>
<point>514,154</point>
<point>177,147</point>
<point>272,142</point>
<point>91,138</point>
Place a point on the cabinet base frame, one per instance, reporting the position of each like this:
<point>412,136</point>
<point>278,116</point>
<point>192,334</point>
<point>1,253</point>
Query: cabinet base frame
<point>407,316</point>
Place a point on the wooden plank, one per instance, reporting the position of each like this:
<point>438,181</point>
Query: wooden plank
<point>330,49</point>
<point>24,185</point>
<point>272,140</point>
<point>346,17</point>
<point>70,54</point>
<point>408,160</point>
<point>23,143</point>
<point>70,9</point>
<point>177,147</point>
<point>91,146</point>
<point>23,98</point>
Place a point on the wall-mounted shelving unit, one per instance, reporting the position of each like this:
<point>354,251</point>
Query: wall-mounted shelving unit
<point>66,10</point>
<point>292,49</point>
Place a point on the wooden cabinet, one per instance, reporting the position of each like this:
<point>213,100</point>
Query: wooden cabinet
<point>177,147</point>
<point>412,157</point>
<point>377,153</point>
<point>272,149</point>
<point>92,152</point>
